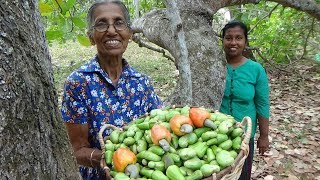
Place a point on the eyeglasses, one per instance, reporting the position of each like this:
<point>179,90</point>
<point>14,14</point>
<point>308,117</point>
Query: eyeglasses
<point>118,25</point>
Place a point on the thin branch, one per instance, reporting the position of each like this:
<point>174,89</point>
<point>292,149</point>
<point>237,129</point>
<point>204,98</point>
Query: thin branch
<point>182,51</point>
<point>268,15</point>
<point>265,59</point>
<point>137,9</point>
<point>59,6</point>
<point>307,38</point>
<point>137,39</point>
<point>71,15</point>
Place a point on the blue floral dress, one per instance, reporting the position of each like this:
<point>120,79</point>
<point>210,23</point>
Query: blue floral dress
<point>91,98</point>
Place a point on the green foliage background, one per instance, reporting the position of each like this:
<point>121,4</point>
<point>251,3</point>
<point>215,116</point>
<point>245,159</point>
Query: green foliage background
<point>283,36</point>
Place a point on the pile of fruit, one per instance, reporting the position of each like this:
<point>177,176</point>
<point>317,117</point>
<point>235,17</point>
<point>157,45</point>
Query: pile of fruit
<point>174,143</point>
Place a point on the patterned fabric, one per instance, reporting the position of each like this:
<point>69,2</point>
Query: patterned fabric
<point>246,93</point>
<point>91,98</point>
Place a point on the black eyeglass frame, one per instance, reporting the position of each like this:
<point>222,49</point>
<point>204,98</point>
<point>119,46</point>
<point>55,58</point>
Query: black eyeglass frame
<point>105,26</point>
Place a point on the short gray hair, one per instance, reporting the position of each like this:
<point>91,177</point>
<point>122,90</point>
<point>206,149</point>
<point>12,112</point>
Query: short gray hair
<point>90,20</point>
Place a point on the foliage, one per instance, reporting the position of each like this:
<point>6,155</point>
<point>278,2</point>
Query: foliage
<point>281,36</point>
<point>66,19</point>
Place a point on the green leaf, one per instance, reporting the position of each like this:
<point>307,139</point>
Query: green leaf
<point>57,3</point>
<point>64,8</point>
<point>83,40</point>
<point>70,3</point>
<point>54,35</point>
<point>45,8</point>
<point>79,22</point>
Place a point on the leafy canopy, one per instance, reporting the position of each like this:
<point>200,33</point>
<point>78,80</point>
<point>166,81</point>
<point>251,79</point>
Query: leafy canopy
<point>281,35</point>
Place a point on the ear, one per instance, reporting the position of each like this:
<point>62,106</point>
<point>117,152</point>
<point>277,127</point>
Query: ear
<point>131,36</point>
<point>89,34</point>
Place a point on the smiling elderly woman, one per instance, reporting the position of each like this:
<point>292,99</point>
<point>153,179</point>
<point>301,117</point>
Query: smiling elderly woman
<point>105,90</point>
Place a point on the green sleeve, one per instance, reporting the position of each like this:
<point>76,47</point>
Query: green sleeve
<point>261,98</point>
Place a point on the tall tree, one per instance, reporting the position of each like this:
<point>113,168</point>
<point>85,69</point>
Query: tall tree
<point>33,140</point>
<point>205,57</point>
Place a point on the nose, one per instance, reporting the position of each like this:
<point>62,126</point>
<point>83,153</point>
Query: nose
<point>233,41</point>
<point>111,29</point>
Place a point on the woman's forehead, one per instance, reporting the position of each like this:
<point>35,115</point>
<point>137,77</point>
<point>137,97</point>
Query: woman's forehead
<point>236,29</point>
<point>108,10</point>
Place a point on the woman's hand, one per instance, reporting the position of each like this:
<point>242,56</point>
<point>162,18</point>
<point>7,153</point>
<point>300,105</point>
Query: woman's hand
<point>78,135</point>
<point>263,144</point>
<point>263,140</point>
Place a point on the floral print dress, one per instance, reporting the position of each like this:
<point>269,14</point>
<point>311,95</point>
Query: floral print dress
<point>91,98</point>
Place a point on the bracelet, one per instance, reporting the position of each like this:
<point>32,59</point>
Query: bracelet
<point>91,157</point>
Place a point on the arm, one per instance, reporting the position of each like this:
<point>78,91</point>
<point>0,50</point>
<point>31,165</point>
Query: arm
<point>263,109</point>
<point>263,140</point>
<point>78,135</point>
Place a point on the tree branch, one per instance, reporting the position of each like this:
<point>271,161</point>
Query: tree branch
<point>308,6</point>
<point>267,15</point>
<point>265,59</point>
<point>181,53</point>
<point>137,39</point>
<point>307,38</point>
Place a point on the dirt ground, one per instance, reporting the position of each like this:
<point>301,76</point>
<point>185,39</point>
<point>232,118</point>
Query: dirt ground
<point>294,124</point>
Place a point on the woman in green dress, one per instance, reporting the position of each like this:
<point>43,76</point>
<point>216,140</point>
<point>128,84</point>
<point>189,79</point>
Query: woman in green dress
<point>246,92</point>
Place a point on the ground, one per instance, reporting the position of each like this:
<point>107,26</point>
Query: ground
<point>294,124</point>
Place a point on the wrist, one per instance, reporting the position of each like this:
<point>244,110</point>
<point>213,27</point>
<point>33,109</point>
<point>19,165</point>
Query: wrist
<point>263,135</point>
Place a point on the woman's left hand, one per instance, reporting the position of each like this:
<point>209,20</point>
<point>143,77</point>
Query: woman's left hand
<point>263,144</point>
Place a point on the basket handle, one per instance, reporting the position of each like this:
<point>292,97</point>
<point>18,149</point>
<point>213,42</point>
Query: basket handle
<point>102,129</point>
<point>246,139</point>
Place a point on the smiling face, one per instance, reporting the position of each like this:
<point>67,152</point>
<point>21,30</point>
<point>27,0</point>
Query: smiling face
<point>112,42</point>
<point>234,42</point>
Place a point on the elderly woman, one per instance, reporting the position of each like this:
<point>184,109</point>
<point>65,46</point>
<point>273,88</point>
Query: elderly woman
<point>106,90</point>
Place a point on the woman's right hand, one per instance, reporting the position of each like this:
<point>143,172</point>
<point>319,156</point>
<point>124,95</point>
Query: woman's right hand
<point>107,171</point>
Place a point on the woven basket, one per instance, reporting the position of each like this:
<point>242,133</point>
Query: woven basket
<point>232,172</point>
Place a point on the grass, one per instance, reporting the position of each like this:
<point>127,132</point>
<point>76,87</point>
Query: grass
<point>71,55</point>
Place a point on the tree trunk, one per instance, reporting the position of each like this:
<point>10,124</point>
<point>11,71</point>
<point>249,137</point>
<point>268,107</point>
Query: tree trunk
<point>33,140</point>
<point>207,61</point>
<point>205,56</point>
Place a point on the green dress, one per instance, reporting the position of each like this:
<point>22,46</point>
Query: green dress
<point>246,93</point>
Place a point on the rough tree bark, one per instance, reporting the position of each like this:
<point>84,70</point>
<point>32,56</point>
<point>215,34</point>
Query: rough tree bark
<point>205,56</point>
<point>33,139</point>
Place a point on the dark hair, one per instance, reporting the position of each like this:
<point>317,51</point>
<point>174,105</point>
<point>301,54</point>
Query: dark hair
<point>235,23</point>
<point>97,3</point>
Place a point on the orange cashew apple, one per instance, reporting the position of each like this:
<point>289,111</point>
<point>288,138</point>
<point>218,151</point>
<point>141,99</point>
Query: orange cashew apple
<point>160,135</point>
<point>181,125</point>
<point>200,118</point>
<point>124,161</point>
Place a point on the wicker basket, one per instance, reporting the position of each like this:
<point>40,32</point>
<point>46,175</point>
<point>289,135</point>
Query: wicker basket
<point>232,172</point>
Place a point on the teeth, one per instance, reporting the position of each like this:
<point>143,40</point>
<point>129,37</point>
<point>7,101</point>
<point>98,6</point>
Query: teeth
<point>112,42</point>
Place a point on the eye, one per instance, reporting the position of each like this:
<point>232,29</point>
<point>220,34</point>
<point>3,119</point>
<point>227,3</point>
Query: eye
<point>119,22</point>
<point>239,38</point>
<point>99,24</point>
